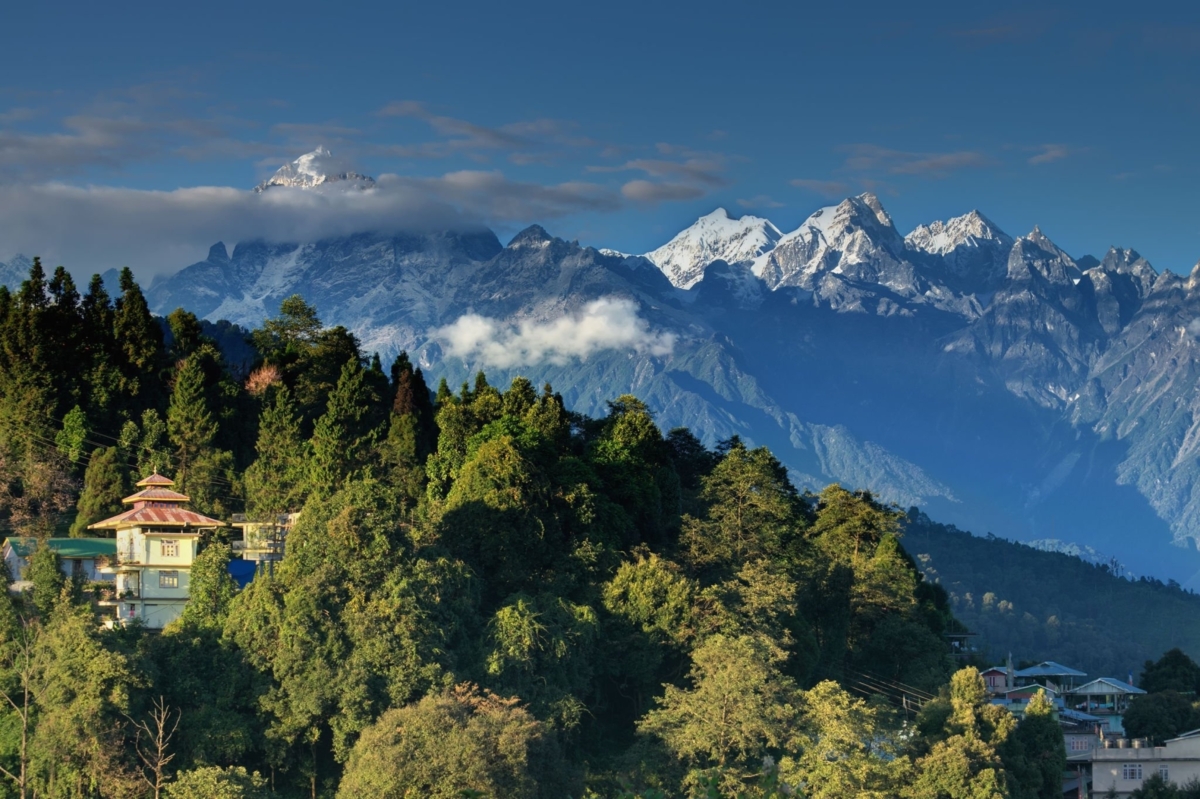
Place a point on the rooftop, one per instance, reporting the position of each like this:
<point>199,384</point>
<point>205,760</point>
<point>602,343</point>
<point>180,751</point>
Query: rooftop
<point>167,516</point>
<point>70,548</point>
<point>1106,686</point>
<point>1049,668</point>
<point>155,495</point>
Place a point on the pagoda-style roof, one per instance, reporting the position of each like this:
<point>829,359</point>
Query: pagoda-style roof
<point>155,495</point>
<point>157,505</point>
<point>155,480</point>
<point>162,516</point>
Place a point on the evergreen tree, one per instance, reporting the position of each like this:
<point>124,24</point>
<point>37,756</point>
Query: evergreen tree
<point>105,484</point>
<point>139,347</point>
<point>277,481</point>
<point>190,423</point>
<point>211,588</point>
<point>344,439</point>
<point>45,572</point>
<point>72,438</point>
<point>1034,755</point>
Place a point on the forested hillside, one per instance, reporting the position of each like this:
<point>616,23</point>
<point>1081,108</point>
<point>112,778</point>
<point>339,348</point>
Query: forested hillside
<point>1049,606</point>
<point>486,594</point>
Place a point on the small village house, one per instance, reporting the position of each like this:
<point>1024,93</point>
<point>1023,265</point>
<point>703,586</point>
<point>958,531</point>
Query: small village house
<point>80,557</point>
<point>156,544</point>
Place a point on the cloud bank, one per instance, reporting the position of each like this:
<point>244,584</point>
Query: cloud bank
<point>94,228</point>
<point>609,323</point>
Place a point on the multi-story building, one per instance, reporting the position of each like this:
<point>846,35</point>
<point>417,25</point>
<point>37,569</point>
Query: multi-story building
<point>156,542</point>
<point>1119,766</point>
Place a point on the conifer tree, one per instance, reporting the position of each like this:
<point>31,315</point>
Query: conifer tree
<point>277,481</point>
<point>45,572</point>
<point>190,422</point>
<point>344,439</point>
<point>105,483</point>
<point>139,346</point>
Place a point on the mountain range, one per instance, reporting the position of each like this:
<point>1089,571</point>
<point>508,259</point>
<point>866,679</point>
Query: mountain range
<point>998,382</point>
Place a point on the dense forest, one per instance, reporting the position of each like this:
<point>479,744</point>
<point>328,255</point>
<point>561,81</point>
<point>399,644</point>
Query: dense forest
<point>1049,606</point>
<point>485,594</point>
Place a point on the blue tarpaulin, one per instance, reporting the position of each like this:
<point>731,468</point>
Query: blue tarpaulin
<point>242,571</point>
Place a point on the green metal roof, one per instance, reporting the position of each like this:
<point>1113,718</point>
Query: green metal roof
<point>66,547</point>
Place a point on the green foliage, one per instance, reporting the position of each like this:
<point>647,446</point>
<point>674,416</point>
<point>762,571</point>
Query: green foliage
<point>1035,755</point>
<point>211,588</point>
<point>213,782</point>
<point>345,437</point>
<point>846,747</point>
<point>277,481</point>
<point>1161,716</point>
<point>738,709</point>
<point>1050,606</point>
<point>462,742</point>
<point>1174,671</point>
<point>965,763</point>
<point>45,572</point>
<point>72,439</point>
<point>105,483</point>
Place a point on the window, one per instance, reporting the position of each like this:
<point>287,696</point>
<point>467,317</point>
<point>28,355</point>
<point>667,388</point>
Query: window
<point>1080,745</point>
<point>170,549</point>
<point>171,580</point>
<point>1131,771</point>
<point>77,568</point>
<point>1163,772</point>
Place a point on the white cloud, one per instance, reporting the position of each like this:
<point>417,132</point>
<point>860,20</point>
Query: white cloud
<point>1050,153</point>
<point>94,228</point>
<point>609,323</point>
<point>644,191</point>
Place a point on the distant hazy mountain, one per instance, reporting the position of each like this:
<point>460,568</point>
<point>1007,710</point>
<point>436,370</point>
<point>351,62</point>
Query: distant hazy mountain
<point>998,381</point>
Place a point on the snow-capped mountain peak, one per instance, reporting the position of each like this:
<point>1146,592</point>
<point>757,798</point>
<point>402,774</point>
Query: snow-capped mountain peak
<point>716,236</point>
<point>969,230</point>
<point>318,168</point>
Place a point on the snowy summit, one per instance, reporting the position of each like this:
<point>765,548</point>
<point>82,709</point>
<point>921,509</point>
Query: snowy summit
<point>318,168</point>
<point>716,236</point>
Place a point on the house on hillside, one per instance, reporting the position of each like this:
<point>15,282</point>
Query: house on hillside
<point>156,544</point>
<point>1105,697</point>
<point>263,542</point>
<point>1049,674</point>
<point>80,556</point>
<point>1119,766</point>
<point>996,679</point>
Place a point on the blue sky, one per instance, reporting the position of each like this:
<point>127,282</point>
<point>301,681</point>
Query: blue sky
<point>615,123</point>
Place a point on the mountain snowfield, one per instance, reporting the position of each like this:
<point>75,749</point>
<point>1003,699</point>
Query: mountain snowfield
<point>996,381</point>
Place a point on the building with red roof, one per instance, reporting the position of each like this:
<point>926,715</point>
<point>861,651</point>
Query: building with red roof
<point>156,542</point>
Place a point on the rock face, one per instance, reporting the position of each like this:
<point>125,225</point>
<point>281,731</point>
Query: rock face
<point>999,381</point>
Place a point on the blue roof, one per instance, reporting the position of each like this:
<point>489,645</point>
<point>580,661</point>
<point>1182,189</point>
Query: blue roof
<point>1106,685</point>
<point>1049,669</point>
